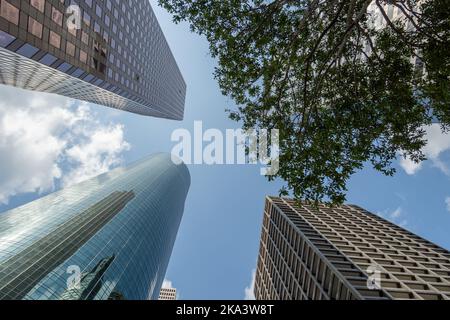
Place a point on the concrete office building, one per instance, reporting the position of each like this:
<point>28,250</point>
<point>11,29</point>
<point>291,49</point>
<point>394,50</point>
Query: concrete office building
<point>344,253</point>
<point>110,237</point>
<point>168,294</point>
<point>109,52</point>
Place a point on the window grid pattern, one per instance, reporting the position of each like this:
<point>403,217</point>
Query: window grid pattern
<point>296,262</point>
<point>122,226</point>
<point>120,48</point>
<point>351,240</point>
<point>28,74</point>
<point>23,271</point>
<point>168,294</point>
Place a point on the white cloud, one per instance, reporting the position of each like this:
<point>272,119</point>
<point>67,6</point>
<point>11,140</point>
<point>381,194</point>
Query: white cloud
<point>249,291</point>
<point>447,202</point>
<point>96,155</point>
<point>438,143</point>
<point>45,139</point>
<point>167,284</point>
<point>410,166</point>
<point>396,213</point>
<point>396,216</point>
<point>403,223</point>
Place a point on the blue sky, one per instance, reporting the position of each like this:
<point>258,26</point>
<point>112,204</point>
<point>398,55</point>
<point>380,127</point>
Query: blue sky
<point>217,244</point>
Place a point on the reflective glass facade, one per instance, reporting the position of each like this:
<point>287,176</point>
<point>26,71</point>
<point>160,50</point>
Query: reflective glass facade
<point>107,238</point>
<point>113,49</point>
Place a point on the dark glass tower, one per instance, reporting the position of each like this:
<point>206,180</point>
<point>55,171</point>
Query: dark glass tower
<point>107,238</point>
<point>344,253</point>
<point>110,52</point>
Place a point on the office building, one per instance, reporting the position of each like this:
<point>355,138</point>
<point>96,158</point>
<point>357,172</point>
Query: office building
<point>344,253</point>
<point>168,294</point>
<point>109,237</point>
<point>109,52</point>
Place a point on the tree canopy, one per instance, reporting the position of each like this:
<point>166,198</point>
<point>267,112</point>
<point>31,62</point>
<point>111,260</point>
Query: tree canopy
<point>346,82</point>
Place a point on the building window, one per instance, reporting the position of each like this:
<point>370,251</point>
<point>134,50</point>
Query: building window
<point>85,38</point>
<point>64,67</point>
<point>48,59</point>
<point>77,73</point>
<point>98,11</point>
<point>34,27</point>
<point>83,56</point>
<point>5,39</point>
<point>70,49</point>
<point>87,18</point>
<point>9,12</point>
<point>27,50</point>
<point>55,39</point>
<point>57,16</point>
<point>38,4</point>
<point>88,78</point>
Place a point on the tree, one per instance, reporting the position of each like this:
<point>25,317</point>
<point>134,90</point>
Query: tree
<point>344,82</point>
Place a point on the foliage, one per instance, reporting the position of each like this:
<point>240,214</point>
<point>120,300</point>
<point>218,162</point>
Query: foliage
<point>344,82</point>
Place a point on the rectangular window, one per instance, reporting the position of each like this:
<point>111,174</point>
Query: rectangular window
<point>98,11</point>
<point>48,59</point>
<point>57,16</point>
<point>9,12</point>
<point>27,50</point>
<point>70,49</point>
<point>55,39</point>
<point>5,39</point>
<point>38,4</point>
<point>34,27</point>
<point>87,18</point>
<point>83,56</point>
<point>85,38</point>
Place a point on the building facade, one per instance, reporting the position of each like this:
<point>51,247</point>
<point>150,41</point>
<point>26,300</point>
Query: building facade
<point>168,294</point>
<point>344,253</point>
<point>109,52</point>
<point>110,237</point>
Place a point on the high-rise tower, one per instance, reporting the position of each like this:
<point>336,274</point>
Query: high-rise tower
<point>110,52</point>
<point>344,253</point>
<point>110,237</point>
<point>168,294</point>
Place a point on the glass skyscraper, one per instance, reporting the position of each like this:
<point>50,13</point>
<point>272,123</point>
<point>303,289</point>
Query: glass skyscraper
<point>110,237</point>
<point>110,52</point>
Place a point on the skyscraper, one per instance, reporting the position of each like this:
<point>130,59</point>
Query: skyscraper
<point>344,253</point>
<point>109,52</point>
<point>168,294</point>
<point>106,238</point>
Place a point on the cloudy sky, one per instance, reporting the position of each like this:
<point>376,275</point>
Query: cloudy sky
<point>48,142</point>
